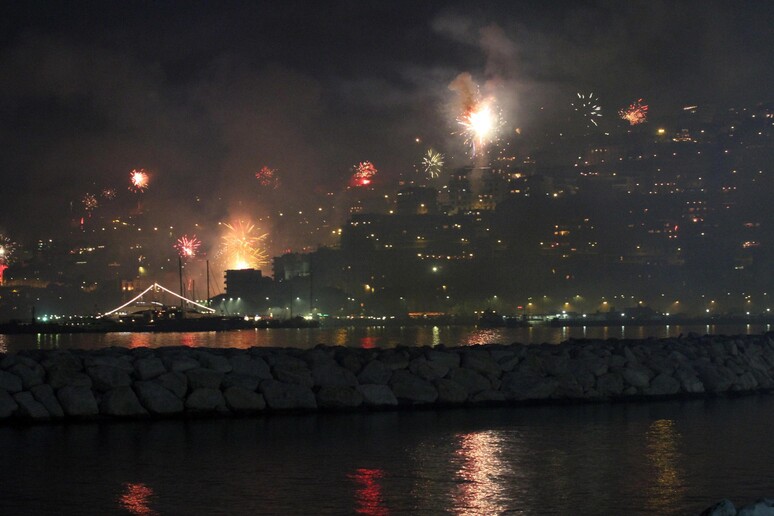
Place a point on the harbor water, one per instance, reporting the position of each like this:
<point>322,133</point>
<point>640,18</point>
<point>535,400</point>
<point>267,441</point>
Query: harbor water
<point>670,457</point>
<point>365,337</point>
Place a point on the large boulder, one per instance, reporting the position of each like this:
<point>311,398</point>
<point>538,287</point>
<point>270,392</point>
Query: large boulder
<point>375,372</point>
<point>30,377</point>
<point>293,373</point>
<point>427,369</point>
<point>281,395</point>
<point>105,377</point>
<point>448,359</point>
<point>156,399</point>
<point>716,378</point>
<point>339,397</point>
<point>762,507</point>
<point>122,402</point>
<point>62,377</point>
<point>180,363</point>
<point>201,378</point>
<point>636,375</point>
<point>77,401</point>
<point>377,395</point>
<point>450,392</point>
<point>45,395</point>
<point>10,382</point>
<point>248,366</point>
<point>8,405</point>
<point>724,507</point>
<point>332,375</point>
<point>214,362</point>
<point>242,401</point>
<point>121,362</point>
<point>240,380</point>
<point>29,407</point>
<point>395,359</point>
<point>61,360</point>
<point>206,400</point>
<point>518,385</point>
<point>175,382</point>
<point>470,380</point>
<point>412,389</point>
<point>149,368</point>
<point>610,385</point>
<point>481,361</point>
<point>662,385</point>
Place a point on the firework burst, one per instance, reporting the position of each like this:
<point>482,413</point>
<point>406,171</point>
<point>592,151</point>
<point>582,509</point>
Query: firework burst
<point>7,248</point>
<point>90,202</point>
<point>243,246</point>
<point>432,163</point>
<point>481,124</point>
<point>187,247</point>
<point>587,107</point>
<point>139,180</point>
<point>636,113</point>
<point>268,177</point>
<point>109,193</point>
<point>364,173</point>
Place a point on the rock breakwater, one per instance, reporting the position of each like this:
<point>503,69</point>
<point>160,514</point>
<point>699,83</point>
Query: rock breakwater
<point>41,385</point>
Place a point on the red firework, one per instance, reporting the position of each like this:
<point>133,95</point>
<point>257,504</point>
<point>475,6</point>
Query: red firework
<point>187,247</point>
<point>267,177</point>
<point>364,174</point>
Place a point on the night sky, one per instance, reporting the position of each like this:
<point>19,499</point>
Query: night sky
<point>203,94</point>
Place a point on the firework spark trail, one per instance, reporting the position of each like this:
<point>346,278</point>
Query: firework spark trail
<point>364,173</point>
<point>187,247</point>
<point>90,202</point>
<point>636,113</point>
<point>588,108</point>
<point>139,180</point>
<point>243,246</point>
<point>432,163</point>
<point>268,177</point>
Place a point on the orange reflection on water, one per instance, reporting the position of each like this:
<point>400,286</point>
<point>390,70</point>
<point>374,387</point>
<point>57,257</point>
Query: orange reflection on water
<point>139,340</point>
<point>662,441</point>
<point>136,498</point>
<point>481,474</point>
<point>369,492</point>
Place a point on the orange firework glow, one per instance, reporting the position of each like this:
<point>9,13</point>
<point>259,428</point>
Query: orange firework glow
<point>243,246</point>
<point>187,247</point>
<point>139,179</point>
<point>364,174</point>
<point>636,113</point>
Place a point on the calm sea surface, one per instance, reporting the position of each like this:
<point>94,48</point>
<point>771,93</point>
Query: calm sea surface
<point>360,337</point>
<point>621,459</point>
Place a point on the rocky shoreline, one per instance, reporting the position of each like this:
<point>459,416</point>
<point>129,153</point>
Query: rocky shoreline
<point>115,383</point>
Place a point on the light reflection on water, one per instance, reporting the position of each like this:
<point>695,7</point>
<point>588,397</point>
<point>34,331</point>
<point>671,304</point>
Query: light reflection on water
<point>136,499</point>
<point>654,458</point>
<point>368,497</point>
<point>381,337</point>
<point>663,452</point>
<point>481,472</point>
